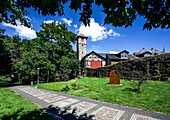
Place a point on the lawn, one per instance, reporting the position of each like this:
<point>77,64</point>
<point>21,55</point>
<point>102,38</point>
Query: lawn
<point>16,107</point>
<point>154,95</point>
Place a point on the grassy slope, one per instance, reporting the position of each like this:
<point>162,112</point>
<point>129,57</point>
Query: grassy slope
<point>154,94</point>
<point>14,106</point>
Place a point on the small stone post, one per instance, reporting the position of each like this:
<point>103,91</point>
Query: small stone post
<point>114,77</point>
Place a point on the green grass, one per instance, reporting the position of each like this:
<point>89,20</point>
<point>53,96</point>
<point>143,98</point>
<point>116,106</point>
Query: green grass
<point>154,95</point>
<point>14,106</point>
<point>56,86</point>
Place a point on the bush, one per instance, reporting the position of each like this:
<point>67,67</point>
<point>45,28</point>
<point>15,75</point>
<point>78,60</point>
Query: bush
<point>65,88</point>
<point>5,79</point>
<point>73,86</point>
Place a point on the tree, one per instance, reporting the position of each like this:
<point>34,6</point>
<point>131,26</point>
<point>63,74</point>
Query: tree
<point>68,68</point>
<point>118,12</point>
<point>29,63</point>
<point>5,60</point>
<point>57,41</point>
<point>10,11</point>
<point>49,57</point>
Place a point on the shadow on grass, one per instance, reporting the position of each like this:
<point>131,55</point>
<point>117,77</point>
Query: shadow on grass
<point>12,84</point>
<point>132,90</point>
<point>50,113</point>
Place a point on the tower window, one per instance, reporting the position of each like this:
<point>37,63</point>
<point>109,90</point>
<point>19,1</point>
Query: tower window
<point>82,39</point>
<point>82,52</point>
<point>82,45</point>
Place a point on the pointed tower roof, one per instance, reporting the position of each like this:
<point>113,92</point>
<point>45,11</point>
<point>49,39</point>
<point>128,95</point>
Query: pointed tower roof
<point>82,35</point>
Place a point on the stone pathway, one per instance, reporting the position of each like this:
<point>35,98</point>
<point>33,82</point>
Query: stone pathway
<point>100,110</point>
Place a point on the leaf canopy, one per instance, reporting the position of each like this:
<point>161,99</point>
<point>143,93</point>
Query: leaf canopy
<point>118,12</point>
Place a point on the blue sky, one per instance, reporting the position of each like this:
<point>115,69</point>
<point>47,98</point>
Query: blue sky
<point>102,38</point>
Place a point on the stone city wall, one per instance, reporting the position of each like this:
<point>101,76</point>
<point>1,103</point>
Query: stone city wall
<point>154,68</point>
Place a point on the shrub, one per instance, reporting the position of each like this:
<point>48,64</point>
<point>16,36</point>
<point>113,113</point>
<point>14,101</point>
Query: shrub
<point>5,79</point>
<point>73,86</point>
<point>65,88</point>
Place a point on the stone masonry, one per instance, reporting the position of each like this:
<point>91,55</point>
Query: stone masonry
<point>154,68</point>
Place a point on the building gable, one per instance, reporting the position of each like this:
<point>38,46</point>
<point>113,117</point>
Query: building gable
<point>93,55</point>
<point>93,60</point>
<point>148,52</point>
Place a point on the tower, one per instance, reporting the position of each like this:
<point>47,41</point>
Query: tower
<point>81,46</point>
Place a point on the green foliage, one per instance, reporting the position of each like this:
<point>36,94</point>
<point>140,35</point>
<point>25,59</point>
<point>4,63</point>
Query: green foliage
<point>76,86</point>
<point>5,79</point>
<point>49,57</point>
<point>61,86</point>
<point>11,11</point>
<point>57,33</point>
<point>152,95</point>
<point>65,88</point>
<point>30,60</point>
<point>118,13</point>
<point>5,60</point>
<point>61,53</point>
<point>136,85</point>
<point>68,68</point>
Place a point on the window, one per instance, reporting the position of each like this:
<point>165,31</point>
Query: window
<point>82,45</point>
<point>82,40</point>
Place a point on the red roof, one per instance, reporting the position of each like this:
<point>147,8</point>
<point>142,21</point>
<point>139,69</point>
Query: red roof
<point>82,35</point>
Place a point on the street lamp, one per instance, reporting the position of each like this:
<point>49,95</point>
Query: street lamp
<point>48,74</point>
<point>38,71</point>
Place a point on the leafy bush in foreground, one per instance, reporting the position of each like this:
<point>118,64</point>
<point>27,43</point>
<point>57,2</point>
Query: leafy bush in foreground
<point>4,79</point>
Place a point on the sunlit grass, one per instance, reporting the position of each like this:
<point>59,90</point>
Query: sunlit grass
<point>154,95</point>
<point>13,106</point>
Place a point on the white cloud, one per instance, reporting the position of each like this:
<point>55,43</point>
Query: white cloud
<point>75,26</point>
<point>50,21</point>
<point>115,34</point>
<point>67,21</point>
<point>113,52</point>
<point>97,32</point>
<point>21,30</point>
<point>110,32</point>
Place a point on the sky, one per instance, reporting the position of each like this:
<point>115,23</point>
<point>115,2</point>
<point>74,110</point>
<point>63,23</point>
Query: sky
<point>101,38</point>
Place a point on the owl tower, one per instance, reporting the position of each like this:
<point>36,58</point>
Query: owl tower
<point>81,46</point>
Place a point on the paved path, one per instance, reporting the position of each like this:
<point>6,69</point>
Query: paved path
<point>99,110</point>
